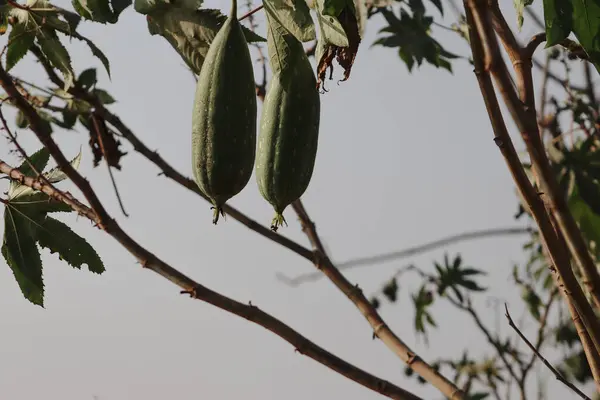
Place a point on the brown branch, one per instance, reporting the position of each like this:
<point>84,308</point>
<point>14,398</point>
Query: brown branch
<point>557,374</point>
<point>380,329</point>
<point>408,252</point>
<point>486,57</point>
<point>148,260</point>
<point>249,13</point>
<point>523,111</point>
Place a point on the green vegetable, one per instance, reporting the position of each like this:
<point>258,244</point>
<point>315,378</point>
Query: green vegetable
<point>289,129</point>
<point>224,116</point>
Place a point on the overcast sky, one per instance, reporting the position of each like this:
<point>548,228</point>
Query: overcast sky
<point>403,158</point>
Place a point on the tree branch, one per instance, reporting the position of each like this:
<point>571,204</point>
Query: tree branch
<point>408,252</point>
<point>486,58</point>
<point>380,329</point>
<point>523,111</point>
<point>102,219</point>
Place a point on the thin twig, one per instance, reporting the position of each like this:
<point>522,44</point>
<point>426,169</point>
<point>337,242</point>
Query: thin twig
<point>249,13</point>
<point>557,374</point>
<point>100,216</point>
<point>408,252</point>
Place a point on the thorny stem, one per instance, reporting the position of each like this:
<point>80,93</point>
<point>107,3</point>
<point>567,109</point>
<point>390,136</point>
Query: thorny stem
<point>490,61</point>
<point>99,215</point>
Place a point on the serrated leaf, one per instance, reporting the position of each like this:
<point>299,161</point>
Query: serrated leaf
<point>104,96</point>
<point>293,15</point>
<point>39,160</point>
<point>38,203</point>
<point>150,6</point>
<point>56,174</point>
<point>331,31</point>
<point>285,51</point>
<point>22,255</point>
<point>558,17</point>
<point>87,78</point>
<point>97,53</point>
<point>586,26</point>
<point>191,32</point>
<point>72,248</point>
<point>20,40</point>
<point>56,53</point>
<point>95,10</point>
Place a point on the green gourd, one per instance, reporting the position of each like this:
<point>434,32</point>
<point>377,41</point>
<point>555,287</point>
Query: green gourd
<point>224,116</point>
<point>289,131</point>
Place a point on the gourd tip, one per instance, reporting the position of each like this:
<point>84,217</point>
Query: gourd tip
<point>278,221</point>
<point>216,212</point>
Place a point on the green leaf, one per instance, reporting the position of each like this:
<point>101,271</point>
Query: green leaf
<point>119,6</point>
<point>190,32</point>
<point>97,53</point>
<point>558,17</point>
<point>87,78</point>
<point>330,28</point>
<point>37,203</point>
<point>21,121</point>
<point>586,26</point>
<point>75,250</point>
<point>56,175</point>
<point>22,255</point>
<point>104,97</point>
<point>293,15</point>
<point>588,221</point>
<point>56,53</point>
<point>390,290</point>
<point>150,6</point>
<point>39,159</point>
<point>519,8</point>
<point>411,34</point>
<point>333,7</point>
<point>589,190</point>
<point>20,41</point>
<point>284,49</point>
<point>100,10</point>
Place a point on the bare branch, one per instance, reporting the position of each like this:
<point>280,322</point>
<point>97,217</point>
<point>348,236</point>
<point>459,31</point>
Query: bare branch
<point>380,329</point>
<point>557,374</point>
<point>408,252</point>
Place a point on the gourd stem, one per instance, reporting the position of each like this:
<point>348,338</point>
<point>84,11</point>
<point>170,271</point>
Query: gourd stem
<point>233,11</point>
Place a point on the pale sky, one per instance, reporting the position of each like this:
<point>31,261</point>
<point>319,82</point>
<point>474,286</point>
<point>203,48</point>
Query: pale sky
<point>403,159</point>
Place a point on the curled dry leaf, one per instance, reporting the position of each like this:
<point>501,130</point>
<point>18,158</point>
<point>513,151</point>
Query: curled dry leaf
<point>344,55</point>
